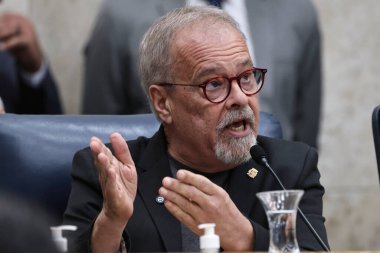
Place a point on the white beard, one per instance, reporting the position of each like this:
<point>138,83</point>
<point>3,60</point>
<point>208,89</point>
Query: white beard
<point>233,150</point>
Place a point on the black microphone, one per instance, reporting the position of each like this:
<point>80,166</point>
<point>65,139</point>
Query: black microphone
<point>258,154</point>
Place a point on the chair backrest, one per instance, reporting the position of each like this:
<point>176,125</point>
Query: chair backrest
<point>376,134</point>
<point>36,151</point>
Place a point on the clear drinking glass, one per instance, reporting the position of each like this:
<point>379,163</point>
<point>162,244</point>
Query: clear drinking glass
<point>281,210</point>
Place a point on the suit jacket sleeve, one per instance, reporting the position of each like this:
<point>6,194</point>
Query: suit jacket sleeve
<point>311,204</point>
<point>107,64</point>
<point>19,97</point>
<point>41,100</point>
<point>308,93</point>
<point>103,79</point>
<point>112,84</point>
<point>85,202</point>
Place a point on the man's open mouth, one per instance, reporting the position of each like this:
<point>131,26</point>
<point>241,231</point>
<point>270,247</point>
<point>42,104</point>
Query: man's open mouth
<point>237,126</point>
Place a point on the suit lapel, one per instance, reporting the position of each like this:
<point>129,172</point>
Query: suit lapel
<point>154,166</point>
<point>242,188</point>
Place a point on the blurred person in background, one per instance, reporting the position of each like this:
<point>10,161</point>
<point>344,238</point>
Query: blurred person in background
<point>26,84</point>
<point>281,35</point>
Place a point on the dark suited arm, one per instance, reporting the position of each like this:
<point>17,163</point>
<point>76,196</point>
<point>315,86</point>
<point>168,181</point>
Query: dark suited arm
<point>308,104</point>
<point>104,68</point>
<point>43,99</point>
<point>85,201</point>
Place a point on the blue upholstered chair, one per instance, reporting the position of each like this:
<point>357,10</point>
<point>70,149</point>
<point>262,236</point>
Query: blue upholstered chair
<point>36,151</point>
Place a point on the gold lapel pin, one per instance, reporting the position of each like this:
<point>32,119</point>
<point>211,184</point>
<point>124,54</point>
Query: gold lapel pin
<point>252,173</point>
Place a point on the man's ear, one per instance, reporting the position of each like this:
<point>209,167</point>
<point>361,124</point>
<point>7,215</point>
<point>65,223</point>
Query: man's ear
<point>161,102</point>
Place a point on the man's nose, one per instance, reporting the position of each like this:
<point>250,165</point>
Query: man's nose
<point>237,97</point>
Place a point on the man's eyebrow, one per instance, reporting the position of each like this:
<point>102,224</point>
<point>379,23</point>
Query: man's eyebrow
<point>212,70</point>
<point>247,62</point>
<point>206,71</point>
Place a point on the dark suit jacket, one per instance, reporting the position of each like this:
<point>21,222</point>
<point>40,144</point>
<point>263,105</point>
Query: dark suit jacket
<point>19,97</point>
<point>285,37</point>
<point>153,229</point>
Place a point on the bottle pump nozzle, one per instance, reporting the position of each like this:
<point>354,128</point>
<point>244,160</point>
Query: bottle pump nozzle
<point>209,242</point>
<point>59,240</point>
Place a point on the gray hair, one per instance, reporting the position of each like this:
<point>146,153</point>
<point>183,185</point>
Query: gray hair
<point>154,51</point>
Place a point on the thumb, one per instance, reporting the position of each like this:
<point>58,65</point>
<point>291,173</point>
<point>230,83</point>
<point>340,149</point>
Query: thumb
<point>121,149</point>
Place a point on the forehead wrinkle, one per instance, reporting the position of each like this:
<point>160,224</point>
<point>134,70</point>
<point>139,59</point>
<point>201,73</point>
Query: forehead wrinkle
<point>202,50</point>
<point>202,56</point>
<point>200,42</point>
<point>205,65</point>
<point>208,48</point>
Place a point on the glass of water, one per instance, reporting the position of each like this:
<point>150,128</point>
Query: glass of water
<point>281,210</point>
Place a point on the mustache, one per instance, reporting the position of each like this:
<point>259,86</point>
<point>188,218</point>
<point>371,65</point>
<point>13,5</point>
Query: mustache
<point>232,116</point>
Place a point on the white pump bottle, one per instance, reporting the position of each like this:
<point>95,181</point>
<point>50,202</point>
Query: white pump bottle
<point>59,240</point>
<point>209,242</point>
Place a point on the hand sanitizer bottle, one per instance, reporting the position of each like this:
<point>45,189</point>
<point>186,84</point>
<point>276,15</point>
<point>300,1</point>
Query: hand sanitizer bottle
<point>209,242</point>
<point>59,240</point>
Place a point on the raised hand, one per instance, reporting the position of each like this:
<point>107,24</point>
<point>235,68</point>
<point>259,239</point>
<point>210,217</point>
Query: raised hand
<point>118,180</point>
<point>117,176</point>
<point>193,199</point>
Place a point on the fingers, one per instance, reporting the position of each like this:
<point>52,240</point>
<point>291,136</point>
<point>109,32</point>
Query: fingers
<point>17,35</point>
<point>121,151</point>
<point>101,160</point>
<point>193,199</point>
<point>98,147</point>
<point>182,216</point>
<point>200,182</point>
<point>184,209</point>
<point>8,32</point>
<point>107,175</point>
<point>121,161</point>
<point>189,186</point>
<point>7,27</point>
<point>11,43</point>
<point>184,201</point>
<point>118,181</point>
<point>12,30</point>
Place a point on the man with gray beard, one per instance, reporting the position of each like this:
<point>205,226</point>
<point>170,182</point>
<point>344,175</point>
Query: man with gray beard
<point>151,194</point>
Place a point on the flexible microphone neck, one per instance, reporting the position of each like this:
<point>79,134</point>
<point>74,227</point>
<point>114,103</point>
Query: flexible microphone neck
<point>258,154</point>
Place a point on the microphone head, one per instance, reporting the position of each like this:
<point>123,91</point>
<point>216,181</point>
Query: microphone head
<point>258,153</point>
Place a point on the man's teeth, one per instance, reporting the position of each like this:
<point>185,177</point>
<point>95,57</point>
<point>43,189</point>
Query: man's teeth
<point>238,126</point>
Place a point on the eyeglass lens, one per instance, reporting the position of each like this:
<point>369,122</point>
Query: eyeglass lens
<point>217,89</point>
